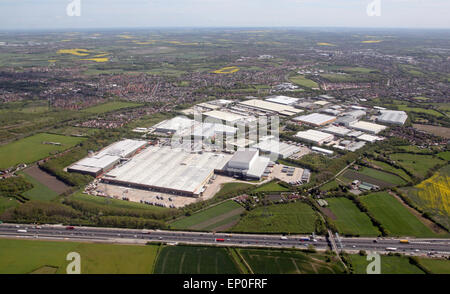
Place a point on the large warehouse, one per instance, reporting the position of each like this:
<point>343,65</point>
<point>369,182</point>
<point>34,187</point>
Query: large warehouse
<point>285,100</point>
<point>276,148</point>
<point>367,127</point>
<point>171,126</point>
<point>313,136</point>
<point>168,170</point>
<point>247,163</point>
<point>265,106</point>
<point>107,158</point>
<point>224,116</point>
<point>392,117</point>
<point>335,130</point>
<point>316,119</point>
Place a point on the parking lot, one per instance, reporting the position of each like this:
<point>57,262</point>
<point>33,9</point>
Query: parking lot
<point>287,174</point>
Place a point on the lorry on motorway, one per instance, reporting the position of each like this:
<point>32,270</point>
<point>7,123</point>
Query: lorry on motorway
<point>305,239</point>
<point>70,228</point>
<point>404,241</point>
<point>391,249</point>
<point>21,231</point>
<point>220,240</point>
<point>283,238</point>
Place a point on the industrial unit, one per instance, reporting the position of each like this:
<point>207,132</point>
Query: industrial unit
<point>171,126</point>
<point>285,100</point>
<point>338,131</point>
<point>168,170</point>
<point>107,158</point>
<point>276,148</point>
<point>316,119</point>
<point>224,116</point>
<point>392,117</point>
<point>270,107</point>
<point>313,136</point>
<point>367,127</point>
<point>246,163</point>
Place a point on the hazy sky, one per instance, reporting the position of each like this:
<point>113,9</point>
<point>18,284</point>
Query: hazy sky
<point>48,14</point>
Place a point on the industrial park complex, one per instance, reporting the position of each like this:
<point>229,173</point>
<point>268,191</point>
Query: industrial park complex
<point>190,153</point>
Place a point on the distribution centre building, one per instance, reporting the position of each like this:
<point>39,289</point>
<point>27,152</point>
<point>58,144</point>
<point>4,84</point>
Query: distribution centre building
<point>316,119</point>
<point>392,117</point>
<point>168,170</point>
<point>313,136</point>
<point>367,127</point>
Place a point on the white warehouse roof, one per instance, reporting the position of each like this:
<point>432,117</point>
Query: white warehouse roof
<point>226,116</point>
<point>367,127</point>
<point>285,100</point>
<point>317,119</point>
<point>269,106</point>
<point>339,131</point>
<point>175,124</point>
<point>122,148</point>
<point>270,145</point>
<point>169,169</point>
<point>314,136</point>
<point>393,117</point>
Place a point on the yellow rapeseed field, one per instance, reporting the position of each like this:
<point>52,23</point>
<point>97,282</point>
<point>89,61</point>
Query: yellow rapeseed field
<point>227,70</point>
<point>371,41</point>
<point>102,59</point>
<point>77,52</point>
<point>435,191</point>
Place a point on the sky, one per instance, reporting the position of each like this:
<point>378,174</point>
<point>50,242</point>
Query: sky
<point>64,14</point>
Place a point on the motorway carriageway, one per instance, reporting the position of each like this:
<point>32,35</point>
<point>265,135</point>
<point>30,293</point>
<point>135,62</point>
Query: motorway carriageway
<point>133,236</point>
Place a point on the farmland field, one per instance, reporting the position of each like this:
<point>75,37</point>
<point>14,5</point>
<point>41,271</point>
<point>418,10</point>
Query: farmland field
<point>6,203</point>
<point>31,148</point>
<point>39,190</point>
<point>110,106</point>
<point>195,260</point>
<point>211,218</point>
<point>389,265</point>
<point>416,164</point>
<point>26,256</point>
<point>382,176</point>
<point>264,261</point>
<point>351,175</point>
<point>433,195</point>
<point>349,219</point>
<point>436,266</point>
<point>389,168</point>
<point>304,82</point>
<point>329,186</point>
<point>396,218</point>
<point>231,188</point>
<point>297,217</point>
<point>271,187</point>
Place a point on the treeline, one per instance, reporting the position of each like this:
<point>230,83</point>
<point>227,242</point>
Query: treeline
<point>13,187</point>
<point>53,213</point>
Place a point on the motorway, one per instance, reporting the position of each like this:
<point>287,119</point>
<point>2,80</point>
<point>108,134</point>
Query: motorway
<point>132,236</point>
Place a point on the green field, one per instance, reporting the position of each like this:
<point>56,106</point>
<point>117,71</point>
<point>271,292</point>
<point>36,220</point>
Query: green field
<point>232,188</point>
<point>213,217</point>
<point>116,203</point>
<point>389,168</point>
<point>436,266</point>
<point>349,219</point>
<point>6,203</point>
<point>415,163</point>
<point>444,155</point>
<point>26,256</point>
<point>297,217</point>
<point>31,149</point>
<point>110,106</point>
<point>382,176</point>
<point>396,218</point>
<point>271,187</point>
<point>420,110</point>
<point>195,260</point>
<point>304,82</point>
<point>389,265</point>
<point>39,190</point>
<point>265,261</point>
<point>329,186</point>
